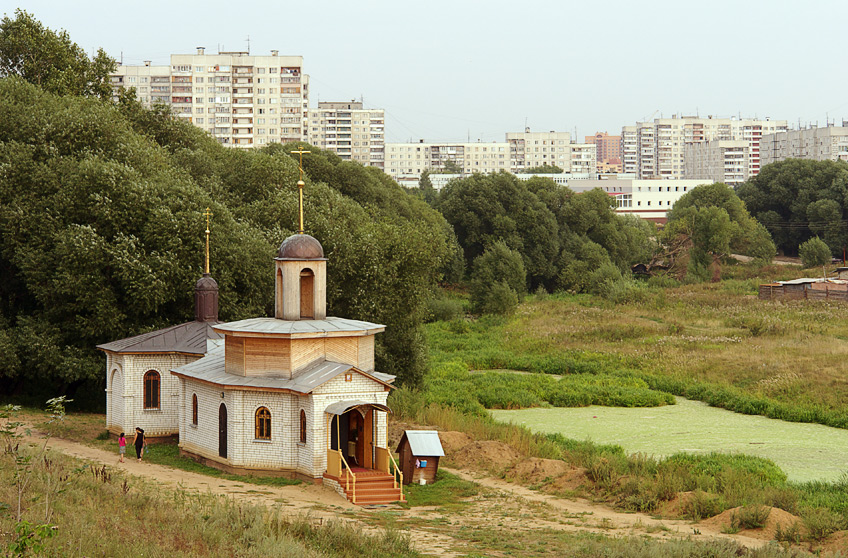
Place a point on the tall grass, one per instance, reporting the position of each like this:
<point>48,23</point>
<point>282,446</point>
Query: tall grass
<point>100,512</point>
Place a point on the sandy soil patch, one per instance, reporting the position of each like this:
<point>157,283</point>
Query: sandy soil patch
<point>488,455</point>
<point>777,517</point>
<point>536,470</point>
<point>453,441</point>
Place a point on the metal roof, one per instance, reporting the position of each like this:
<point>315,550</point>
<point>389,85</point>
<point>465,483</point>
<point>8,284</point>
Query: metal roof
<point>211,368</point>
<point>424,443</point>
<point>301,328</point>
<point>189,337</point>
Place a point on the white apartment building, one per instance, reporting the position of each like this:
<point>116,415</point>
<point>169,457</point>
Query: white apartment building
<point>535,149</point>
<point>523,150</point>
<point>241,100</point>
<point>406,161</point>
<point>661,143</point>
<point>629,150</point>
<point>819,144</point>
<point>724,161</point>
<point>348,130</point>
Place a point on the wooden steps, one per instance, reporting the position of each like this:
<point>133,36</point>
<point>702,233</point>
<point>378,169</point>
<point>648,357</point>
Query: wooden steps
<point>372,487</point>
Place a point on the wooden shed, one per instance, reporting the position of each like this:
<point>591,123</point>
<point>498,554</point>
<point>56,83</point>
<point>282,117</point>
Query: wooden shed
<point>419,452</point>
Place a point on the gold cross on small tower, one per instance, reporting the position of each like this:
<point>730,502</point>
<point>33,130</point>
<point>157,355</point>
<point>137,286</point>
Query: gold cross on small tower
<point>208,214</point>
<point>301,184</point>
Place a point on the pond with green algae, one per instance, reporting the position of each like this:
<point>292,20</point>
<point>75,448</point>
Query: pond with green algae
<point>804,451</point>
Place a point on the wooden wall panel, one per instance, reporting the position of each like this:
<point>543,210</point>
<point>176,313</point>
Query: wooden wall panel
<point>343,349</point>
<point>304,352</point>
<point>234,355</point>
<point>366,353</point>
<point>267,357</point>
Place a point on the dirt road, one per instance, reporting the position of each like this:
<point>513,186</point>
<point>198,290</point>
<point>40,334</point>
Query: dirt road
<point>434,530</point>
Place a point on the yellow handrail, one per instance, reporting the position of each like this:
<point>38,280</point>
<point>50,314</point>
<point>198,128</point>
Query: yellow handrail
<point>347,477</point>
<point>394,479</point>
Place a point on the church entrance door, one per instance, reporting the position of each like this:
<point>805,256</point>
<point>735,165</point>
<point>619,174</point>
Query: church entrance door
<point>222,431</point>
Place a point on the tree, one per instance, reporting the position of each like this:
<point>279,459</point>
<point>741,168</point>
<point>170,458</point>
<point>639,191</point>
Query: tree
<point>797,199</point>
<point>51,60</point>
<point>713,222</point>
<point>814,253</point>
<point>498,280</point>
<point>499,207</point>
<point>544,169</point>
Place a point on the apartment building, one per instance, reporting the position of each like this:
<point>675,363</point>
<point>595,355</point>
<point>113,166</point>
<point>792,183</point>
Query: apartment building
<point>608,151</point>
<point>661,144</point>
<point>718,161</point>
<point>629,150</point>
<point>819,144</point>
<point>350,131</point>
<point>241,100</point>
<point>406,161</point>
<point>528,150</point>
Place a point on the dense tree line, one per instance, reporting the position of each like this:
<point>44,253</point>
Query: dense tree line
<point>797,199</point>
<point>561,237</point>
<point>101,232</point>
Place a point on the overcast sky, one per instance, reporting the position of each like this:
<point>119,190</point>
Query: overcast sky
<point>450,70</point>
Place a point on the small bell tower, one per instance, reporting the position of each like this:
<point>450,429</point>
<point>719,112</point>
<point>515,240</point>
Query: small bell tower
<point>300,271</point>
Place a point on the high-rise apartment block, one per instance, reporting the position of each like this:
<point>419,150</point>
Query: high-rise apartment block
<point>629,150</point>
<point>608,151</point>
<point>348,130</point>
<point>819,144</point>
<point>536,149</point>
<point>661,144</point>
<point>241,100</point>
<point>726,161</point>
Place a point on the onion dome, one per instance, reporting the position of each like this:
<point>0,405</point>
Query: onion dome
<point>300,247</point>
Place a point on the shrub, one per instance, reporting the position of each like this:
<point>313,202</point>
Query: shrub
<point>814,253</point>
<point>444,309</point>
<point>820,523</point>
<point>498,280</point>
<point>703,505</point>
<point>750,517</point>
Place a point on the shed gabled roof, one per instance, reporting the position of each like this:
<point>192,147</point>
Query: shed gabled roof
<point>189,337</point>
<point>211,368</point>
<point>424,443</point>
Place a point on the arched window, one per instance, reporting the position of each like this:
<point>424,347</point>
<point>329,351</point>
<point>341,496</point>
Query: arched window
<point>302,426</point>
<point>151,389</point>
<point>263,423</point>
<point>194,409</point>
<point>307,293</point>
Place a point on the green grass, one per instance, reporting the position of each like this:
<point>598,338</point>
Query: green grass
<point>131,517</point>
<point>448,491</point>
<point>168,454</point>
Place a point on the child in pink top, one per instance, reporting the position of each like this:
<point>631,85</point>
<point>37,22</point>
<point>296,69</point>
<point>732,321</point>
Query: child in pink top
<point>122,446</point>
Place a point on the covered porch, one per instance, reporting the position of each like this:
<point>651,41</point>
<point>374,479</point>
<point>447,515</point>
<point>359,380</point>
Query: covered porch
<point>357,460</point>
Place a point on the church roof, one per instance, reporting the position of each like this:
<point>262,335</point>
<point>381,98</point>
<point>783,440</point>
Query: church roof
<point>300,247</point>
<point>189,337</point>
<point>302,328</point>
<point>211,369</point>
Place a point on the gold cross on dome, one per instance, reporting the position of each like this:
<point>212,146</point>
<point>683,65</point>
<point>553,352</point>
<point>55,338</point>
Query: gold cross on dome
<point>208,214</point>
<point>301,184</point>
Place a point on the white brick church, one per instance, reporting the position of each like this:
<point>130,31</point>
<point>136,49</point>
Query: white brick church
<point>294,395</point>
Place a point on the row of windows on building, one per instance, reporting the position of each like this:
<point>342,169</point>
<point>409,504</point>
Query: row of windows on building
<point>262,417</point>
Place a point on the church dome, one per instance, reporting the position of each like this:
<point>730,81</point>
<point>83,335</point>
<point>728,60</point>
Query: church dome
<point>300,247</point>
<point>206,283</point>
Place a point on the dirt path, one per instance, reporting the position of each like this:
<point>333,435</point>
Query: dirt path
<point>433,530</point>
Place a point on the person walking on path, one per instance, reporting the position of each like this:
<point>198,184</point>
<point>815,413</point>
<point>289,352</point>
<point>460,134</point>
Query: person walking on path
<point>138,442</point>
<point>122,446</point>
